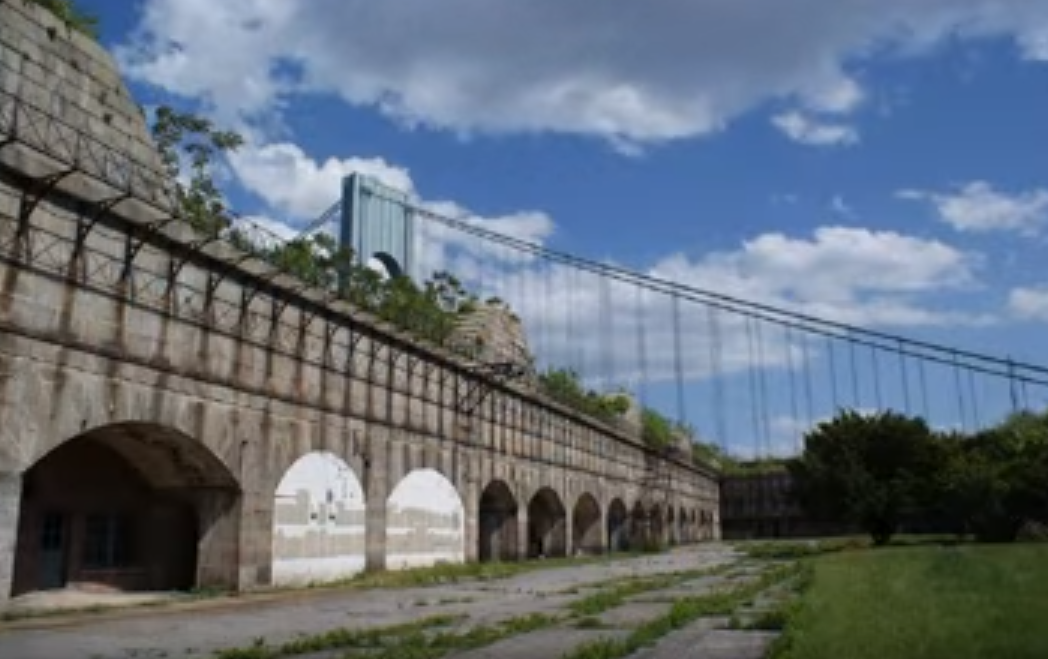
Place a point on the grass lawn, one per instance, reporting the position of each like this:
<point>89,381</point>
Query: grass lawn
<point>928,602</point>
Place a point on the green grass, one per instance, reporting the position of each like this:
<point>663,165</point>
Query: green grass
<point>961,602</point>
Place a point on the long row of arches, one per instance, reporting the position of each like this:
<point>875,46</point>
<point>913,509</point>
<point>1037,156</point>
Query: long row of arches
<point>141,507</point>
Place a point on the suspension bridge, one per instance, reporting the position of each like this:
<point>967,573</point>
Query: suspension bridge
<point>182,408</point>
<point>745,375</point>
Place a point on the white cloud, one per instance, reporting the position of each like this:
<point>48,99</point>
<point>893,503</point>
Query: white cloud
<point>1029,303</point>
<point>978,207</point>
<point>619,71</point>
<point>837,266</point>
<point>292,182</point>
<point>855,276</point>
<point>804,129</point>
<point>838,206</point>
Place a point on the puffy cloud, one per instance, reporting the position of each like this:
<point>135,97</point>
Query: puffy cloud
<point>837,266</point>
<point>292,182</point>
<point>1029,303</point>
<point>621,70</point>
<point>978,207</point>
<point>806,130</point>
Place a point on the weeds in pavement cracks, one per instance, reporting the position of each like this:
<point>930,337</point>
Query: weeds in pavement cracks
<point>408,641</point>
<point>682,613</point>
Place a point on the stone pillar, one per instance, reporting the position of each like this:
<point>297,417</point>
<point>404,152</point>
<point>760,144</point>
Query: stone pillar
<point>218,549</point>
<point>469,492</point>
<point>10,504</point>
<point>523,537</point>
<point>569,534</point>
<point>376,490</point>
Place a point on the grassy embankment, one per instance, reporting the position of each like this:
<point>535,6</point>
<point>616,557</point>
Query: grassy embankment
<point>923,602</point>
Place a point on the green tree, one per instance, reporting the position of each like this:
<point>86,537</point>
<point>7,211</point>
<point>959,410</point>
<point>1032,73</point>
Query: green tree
<point>995,481</point>
<point>866,469</point>
<point>188,142</point>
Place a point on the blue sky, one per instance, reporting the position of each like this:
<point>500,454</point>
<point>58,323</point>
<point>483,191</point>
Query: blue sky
<point>881,163</point>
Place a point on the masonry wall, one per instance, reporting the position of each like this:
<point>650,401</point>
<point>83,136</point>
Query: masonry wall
<point>109,319</point>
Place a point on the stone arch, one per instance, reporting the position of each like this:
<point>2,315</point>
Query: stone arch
<point>425,522</point>
<point>497,523</point>
<point>587,537</point>
<point>547,521</point>
<point>683,526</point>
<point>318,521</point>
<point>127,506</point>
<point>618,526</point>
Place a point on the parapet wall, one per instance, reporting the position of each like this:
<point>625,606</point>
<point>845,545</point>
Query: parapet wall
<point>66,85</point>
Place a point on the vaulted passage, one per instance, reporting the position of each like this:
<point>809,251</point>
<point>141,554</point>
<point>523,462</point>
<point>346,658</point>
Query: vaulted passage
<point>586,527</point>
<point>127,507</point>
<point>318,521</point>
<point>671,527</point>
<point>425,522</point>
<point>497,532</point>
<point>618,526</point>
<point>547,536</point>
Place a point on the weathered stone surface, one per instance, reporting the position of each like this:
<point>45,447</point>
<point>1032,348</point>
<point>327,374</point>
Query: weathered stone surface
<point>232,364</point>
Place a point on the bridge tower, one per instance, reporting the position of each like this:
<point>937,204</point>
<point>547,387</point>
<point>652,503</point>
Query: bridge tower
<point>378,222</point>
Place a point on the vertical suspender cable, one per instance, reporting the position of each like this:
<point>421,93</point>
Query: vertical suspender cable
<point>794,412</point>
<point>905,375</point>
<point>642,346</point>
<point>960,392</point>
<point>752,378</point>
<point>976,421</point>
<point>876,369</point>
<point>716,359</point>
<point>762,382</point>
<point>678,360</point>
<point>856,398</point>
<point>809,399</point>
<point>832,365</point>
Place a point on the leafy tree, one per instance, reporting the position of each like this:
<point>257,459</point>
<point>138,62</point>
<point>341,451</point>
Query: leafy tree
<point>182,135</point>
<point>866,469</point>
<point>995,481</point>
<point>73,16</point>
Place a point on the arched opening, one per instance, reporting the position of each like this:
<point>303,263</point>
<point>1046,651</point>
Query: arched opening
<point>425,522</point>
<point>126,507</point>
<point>671,527</point>
<point>318,521</point>
<point>639,527</point>
<point>385,265</point>
<point>683,528</point>
<point>547,520</point>
<point>585,523</point>
<point>618,531</point>
<point>497,527</point>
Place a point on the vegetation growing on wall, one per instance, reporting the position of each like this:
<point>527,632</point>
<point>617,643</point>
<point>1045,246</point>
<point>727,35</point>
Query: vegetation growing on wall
<point>189,147</point>
<point>74,17</point>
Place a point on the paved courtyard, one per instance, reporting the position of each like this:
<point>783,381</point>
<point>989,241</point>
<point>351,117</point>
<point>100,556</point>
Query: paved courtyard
<point>201,628</point>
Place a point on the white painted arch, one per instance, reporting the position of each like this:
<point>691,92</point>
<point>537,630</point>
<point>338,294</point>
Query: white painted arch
<point>425,522</point>
<point>318,521</point>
